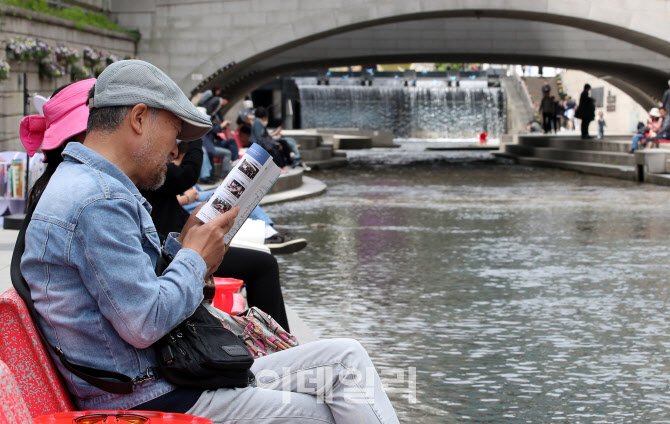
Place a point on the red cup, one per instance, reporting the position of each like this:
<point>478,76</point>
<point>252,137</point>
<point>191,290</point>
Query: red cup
<point>225,288</point>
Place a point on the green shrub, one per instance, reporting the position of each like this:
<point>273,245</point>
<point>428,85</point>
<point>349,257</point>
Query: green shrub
<point>77,15</point>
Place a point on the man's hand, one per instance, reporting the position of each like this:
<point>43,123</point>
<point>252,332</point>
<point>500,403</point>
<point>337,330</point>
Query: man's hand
<point>192,220</point>
<point>207,239</point>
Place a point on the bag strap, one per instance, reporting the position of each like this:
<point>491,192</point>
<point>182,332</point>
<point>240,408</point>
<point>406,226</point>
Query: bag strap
<point>96,377</point>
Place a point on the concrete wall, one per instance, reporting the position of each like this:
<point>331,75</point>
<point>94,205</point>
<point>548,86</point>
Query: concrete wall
<point>54,31</point>
<point>627,111</point>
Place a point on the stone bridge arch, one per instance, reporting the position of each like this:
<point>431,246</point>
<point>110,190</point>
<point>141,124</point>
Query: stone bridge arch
<point>239,44</point>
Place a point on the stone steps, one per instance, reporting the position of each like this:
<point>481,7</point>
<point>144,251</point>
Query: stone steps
<point>315,153</point>
<point>321,153</point>
<point>287,181</point>
<point>345,142</point>
<point>308,143</point>
<point>608,157</point>
<point>605,170</point>
<point>334,162</point>
<point>610,145</point>
<point>590,156</point>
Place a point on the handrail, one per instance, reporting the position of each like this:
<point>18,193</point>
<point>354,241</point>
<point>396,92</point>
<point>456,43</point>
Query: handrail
<point>521,87</point>
<point>524,88</point>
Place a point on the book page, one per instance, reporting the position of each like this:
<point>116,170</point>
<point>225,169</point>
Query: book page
<point>245,186</point>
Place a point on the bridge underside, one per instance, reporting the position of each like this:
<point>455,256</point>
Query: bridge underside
<point>638,71</point>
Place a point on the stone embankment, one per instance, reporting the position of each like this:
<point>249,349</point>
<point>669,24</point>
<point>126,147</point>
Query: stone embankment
<point>608,157</point>
<point>315,152</point>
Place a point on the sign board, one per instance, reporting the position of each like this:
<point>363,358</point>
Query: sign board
<point>611,102</point>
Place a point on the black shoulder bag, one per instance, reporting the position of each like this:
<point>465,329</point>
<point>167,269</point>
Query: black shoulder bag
<point>199,353</point>
<point>202,354</point>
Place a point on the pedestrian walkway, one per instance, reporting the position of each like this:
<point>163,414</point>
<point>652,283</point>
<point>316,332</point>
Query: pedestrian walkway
<point>7,241</point>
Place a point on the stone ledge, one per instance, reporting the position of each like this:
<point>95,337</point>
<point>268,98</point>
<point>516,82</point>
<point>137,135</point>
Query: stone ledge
<point>335,162</point>
<point>311,187</point>
<point>346,142</point>
<point>287,181</point>
<point>604,170</point>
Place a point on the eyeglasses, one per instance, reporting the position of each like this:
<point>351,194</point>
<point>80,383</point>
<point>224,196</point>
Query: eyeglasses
<point>120,418</point>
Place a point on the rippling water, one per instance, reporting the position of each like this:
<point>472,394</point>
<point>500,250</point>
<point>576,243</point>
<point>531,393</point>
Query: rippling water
<point>519,294</point>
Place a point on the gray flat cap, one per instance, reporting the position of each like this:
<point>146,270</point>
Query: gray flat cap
<point>131,82</point>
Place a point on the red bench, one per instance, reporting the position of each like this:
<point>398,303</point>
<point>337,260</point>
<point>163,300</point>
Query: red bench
<point>660,141</point>
<point>28,359</point>
<point>30,384</point>
<point>13,408</point>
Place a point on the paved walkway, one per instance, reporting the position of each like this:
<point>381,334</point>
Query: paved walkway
<point>7,240</point>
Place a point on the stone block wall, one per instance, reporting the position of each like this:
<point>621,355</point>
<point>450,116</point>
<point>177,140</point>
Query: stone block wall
<point>54,31</point>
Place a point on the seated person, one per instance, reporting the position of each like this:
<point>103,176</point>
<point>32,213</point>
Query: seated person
<point>663,133</point>
<point>289,144</point>
<point>213,101</point>
<point>214,151</point>
<point>645,131</point>
<point>243,136</point>
<point>90,265</point>
<point>533,127</point>
<point>260,136</point>
<point>206,169</point>
<point>225,139</point>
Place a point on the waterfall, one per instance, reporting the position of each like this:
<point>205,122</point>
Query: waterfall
<point>410,112</point>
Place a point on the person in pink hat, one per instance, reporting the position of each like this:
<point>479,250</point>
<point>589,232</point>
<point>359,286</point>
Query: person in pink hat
<point>64,120</point>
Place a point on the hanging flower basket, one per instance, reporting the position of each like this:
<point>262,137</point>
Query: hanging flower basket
<point>51,70</point>
<point>92,57</point>
<point>78,73</point>
<point>39,51</point>
<point>4,70</point>
<point>66,55</point>
<point>19,48</point>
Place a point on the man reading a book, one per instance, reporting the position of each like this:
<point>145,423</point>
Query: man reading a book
<point>90,254</point>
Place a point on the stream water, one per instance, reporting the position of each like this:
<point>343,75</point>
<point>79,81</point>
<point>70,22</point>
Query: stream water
<point>519,295</point>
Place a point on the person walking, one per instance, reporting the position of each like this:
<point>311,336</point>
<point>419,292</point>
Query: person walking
<point>548,112</point>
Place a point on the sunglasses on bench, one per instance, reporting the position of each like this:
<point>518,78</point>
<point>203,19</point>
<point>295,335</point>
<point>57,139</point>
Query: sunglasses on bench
<point>118,419</point>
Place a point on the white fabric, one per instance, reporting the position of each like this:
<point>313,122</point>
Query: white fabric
<point>311,383</point>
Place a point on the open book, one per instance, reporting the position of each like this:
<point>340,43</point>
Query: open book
<point>244,186</point>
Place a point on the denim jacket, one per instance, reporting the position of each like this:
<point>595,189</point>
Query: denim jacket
<point>91,249</point>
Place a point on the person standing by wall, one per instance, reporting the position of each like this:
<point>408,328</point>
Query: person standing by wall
<point>586,111</point>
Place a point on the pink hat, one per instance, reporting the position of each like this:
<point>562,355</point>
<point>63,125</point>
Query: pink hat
<point>65,115</point>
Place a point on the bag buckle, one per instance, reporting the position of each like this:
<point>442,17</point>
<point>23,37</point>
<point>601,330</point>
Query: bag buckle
<point>148,375</point>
